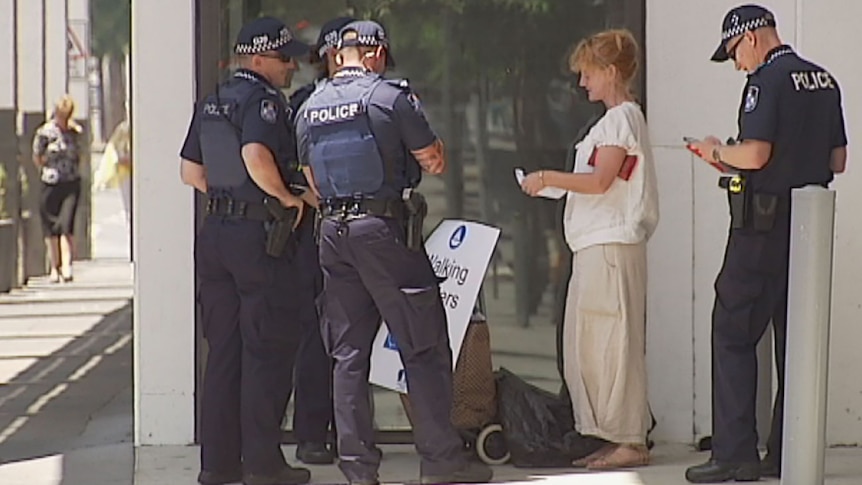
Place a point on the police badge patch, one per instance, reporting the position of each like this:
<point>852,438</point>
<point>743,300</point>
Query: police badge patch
<point>751,98</point>
<point>268,111</point>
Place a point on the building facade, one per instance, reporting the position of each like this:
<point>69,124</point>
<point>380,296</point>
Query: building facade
<point>494,83</point>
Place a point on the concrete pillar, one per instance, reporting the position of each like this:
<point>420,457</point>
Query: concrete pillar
<point>55,52</point>
<point>77,38</point>
<point>808,320</point>
<point>9,186</point>
<point>163,226</point>
<point>31,114</point>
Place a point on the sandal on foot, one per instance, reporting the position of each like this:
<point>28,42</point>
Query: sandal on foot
<point>601,452</point>
<point>624,456</point>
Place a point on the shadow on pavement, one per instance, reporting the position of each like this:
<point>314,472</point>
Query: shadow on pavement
<point>75,402</point>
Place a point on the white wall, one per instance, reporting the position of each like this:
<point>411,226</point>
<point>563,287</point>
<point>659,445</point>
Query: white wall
<point>78,17</point>
<point>7,55</point>
<point>30,73</point>
<point>830,36</point>
<point>55,54</point>
<point>163,73</point>
<point>689,95</point>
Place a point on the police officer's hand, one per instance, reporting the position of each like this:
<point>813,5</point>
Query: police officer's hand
<point>704,148</point>
<point>533,183</point>
<point>289,201</point>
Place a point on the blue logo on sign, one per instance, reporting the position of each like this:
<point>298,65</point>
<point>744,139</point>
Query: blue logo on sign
<point>457,238</point>
<point>390,343</point>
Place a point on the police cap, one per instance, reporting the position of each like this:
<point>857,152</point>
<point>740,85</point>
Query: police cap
<point>268,34</point>
<point>365,33</point>
<point>738,21</point>
<point>328,37</point>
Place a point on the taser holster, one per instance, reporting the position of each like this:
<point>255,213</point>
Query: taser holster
<point>737,199</point>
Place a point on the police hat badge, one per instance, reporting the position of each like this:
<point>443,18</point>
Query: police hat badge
<point>268,111</point>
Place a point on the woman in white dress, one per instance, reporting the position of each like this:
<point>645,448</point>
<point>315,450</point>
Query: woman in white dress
<point>611,211</point>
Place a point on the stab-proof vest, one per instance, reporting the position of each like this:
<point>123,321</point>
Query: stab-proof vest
<point>220,137</point>
<point>342,150</point>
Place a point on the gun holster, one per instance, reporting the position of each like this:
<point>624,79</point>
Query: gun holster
<point>417,210</point>
<point>737,199</point>
<point>280,229</point>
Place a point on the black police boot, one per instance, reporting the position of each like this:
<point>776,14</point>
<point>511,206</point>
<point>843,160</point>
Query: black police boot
<point>717,472</point>
<point>314,453</point>
<point>219,478</point>
<point>286,476</point>
<point>770,467</point>
<point>472,472</point>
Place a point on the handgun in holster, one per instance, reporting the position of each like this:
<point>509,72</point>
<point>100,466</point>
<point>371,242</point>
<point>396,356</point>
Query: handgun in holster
<point>280,230</point>
<point>417,210</point>
<point>737,199</point>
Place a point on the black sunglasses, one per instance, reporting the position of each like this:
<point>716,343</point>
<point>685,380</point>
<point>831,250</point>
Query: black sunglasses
<point>731,53</point>
<point>276,55</point>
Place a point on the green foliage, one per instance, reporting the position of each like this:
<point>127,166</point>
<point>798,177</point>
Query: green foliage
<point>111,24</point>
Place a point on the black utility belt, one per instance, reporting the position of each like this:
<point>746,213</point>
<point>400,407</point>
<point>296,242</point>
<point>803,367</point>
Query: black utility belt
<point>750,209</point>
<point>356,207</point>
<point>225,206</point>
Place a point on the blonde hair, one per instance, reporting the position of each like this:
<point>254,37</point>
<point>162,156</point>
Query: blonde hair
<point>65,105</point>
<point>615,47</point>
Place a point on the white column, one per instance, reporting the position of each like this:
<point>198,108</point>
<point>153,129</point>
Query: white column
<point>77,34</point>
<point>163,74</point>
<point>55,53</point>
<point>7,55</point>
<point>30,54</point>
<point>808,321</point>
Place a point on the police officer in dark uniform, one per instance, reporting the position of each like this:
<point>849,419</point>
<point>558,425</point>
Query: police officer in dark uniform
<point>251,268</point>
<point>791,134</point>
<point>365,139</point>
<point>313,411</point>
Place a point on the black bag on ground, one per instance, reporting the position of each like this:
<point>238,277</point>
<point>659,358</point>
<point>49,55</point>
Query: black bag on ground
<point>538,426</point>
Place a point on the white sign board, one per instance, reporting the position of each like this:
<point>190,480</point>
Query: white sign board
<point>78,48</point>
<point>460,251</point>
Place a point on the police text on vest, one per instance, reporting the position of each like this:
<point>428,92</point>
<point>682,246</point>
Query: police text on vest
<point>812,81</point>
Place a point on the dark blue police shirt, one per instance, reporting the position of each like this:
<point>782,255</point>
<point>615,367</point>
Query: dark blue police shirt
<point>796,106</point>
<point>264,119</point>
<point>397,120</point>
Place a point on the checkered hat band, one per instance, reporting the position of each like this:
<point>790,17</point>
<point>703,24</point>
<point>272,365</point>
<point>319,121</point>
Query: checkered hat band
<point>745,27</point>
<point>247,49</point>
<point>368,40</point>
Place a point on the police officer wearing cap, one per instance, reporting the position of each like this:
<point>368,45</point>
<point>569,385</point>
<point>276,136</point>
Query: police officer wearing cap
<point>791,134</point>
<point>362,138</point>
<point>252,271</point>
<point>313,411</point>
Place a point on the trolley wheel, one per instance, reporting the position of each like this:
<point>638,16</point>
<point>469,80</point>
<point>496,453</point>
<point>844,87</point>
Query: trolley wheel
<point>491,446</point>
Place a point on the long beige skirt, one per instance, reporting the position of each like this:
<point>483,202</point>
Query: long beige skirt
<point>604,342</point>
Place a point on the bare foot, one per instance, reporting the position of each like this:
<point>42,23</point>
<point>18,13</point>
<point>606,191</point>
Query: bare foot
<point>585,461</point>
<point>624,456</point>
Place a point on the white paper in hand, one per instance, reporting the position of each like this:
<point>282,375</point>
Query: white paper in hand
<point>547,192</point>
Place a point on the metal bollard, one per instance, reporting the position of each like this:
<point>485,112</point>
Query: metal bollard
<point>808,322</point>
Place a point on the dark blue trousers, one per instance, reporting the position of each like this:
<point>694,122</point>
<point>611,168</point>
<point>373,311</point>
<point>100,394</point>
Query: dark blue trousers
<point>249,302</point>
<point>313,412</point>
<point>750,290</point>
<point>369,273</point>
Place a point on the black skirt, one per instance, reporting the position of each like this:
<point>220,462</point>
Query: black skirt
<point>58,206</point>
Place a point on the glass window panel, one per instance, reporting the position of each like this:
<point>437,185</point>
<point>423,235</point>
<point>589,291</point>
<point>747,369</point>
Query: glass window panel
<point>493,78</point>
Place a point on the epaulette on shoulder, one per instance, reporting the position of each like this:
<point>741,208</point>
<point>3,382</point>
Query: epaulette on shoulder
<point>402,84</point>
